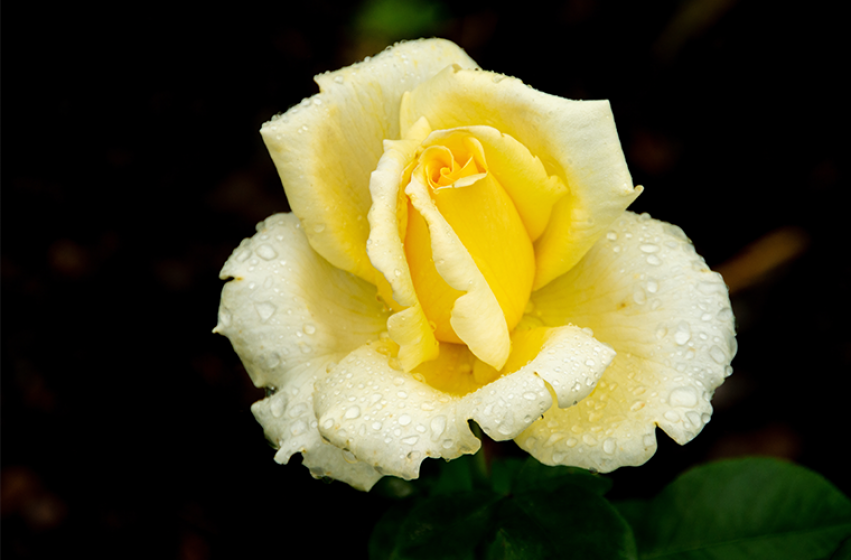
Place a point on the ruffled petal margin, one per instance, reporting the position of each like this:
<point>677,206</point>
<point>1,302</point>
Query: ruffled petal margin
<point>390,420</point>
<point>290,315</point>
<point>644,291</point>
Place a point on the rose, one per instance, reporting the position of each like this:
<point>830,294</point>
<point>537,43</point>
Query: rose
<point>459,249</point>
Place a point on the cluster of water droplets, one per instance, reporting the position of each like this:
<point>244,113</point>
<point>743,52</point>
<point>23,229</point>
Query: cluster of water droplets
<point>387,419</point>
<point>672,326</point>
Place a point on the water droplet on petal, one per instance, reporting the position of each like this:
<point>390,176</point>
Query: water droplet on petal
<point>683,333</point>
<point>717,354</point>
<point>265,310</point>
<point>353,412</point>
<point>411,440</point>
<point>404,420</point>
<point>609,445</point>
<point>649,248</point>
<point>309,329</point>
<point>438,425</point>
<point>277,407</point>
<point>683,396</point>
<point>266,252</point>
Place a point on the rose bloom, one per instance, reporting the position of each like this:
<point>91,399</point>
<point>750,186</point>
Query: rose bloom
<point>459,249</point>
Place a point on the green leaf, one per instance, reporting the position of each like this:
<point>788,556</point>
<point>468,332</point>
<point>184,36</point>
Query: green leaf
<point>503,473</point>
<point>454,476</point>
<point>535,476</point>
<point>382,542</point>
<point>567,522</point>
<point>443,526</point>
<point>742,509</point>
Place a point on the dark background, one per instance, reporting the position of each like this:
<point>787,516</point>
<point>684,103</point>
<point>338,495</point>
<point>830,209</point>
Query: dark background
<point>132,166</point>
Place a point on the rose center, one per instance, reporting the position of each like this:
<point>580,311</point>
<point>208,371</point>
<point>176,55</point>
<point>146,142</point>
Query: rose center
<point>485,224</point>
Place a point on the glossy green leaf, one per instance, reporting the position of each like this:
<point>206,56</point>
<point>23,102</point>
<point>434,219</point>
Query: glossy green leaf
<point>535,476</point>
<point>567,522</point>
<point>742,509</point>
<point>442,526</point>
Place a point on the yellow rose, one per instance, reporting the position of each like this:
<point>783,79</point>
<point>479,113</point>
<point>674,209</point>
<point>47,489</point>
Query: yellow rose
<point>460,249</point>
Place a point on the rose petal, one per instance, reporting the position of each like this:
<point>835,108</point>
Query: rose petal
<point>643,290</point>
<point>521,174</point>
<point>476,316</point>
<point>388,419</point>
<point>575,140</point>
<point>290,314</point>
<point>409,327</point>
<point>326,147</point>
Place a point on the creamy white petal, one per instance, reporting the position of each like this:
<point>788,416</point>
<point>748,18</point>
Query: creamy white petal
<point>326,147</point>
<point>571,362</point>
<point>390,420</point>
<point>386,418</point>
<point>289,315</point>
<point>644,291</point>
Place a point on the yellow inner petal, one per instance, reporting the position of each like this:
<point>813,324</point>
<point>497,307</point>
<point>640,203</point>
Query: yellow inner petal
<point>485,220</point>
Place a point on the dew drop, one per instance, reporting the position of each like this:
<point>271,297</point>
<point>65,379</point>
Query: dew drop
<point>683,333</point>
<point>588,439</point>
<point>649,248</point>
<point>717,354</point>
<point>529,396</point>
<point>609,445</point>
<point>411,440</point>
<point>672,416</point>
<point>277,408</point>
<point>612,236</point>
<point>265,310</point>
<point>652,286</point>
<point>353,412</point>
<point>266,252</point>
<point>683,396</point>
<point>404,420</point>
<point>309,329</point>
<point>319,228</point>
<point>438,426</point>
<point>654,260</point>
<point>639,296</point>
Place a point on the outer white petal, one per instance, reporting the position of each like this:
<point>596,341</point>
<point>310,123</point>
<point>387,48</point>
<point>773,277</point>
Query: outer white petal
<point>643,290</point>
<point>388,419</point>
<point>326,147</point>
<point>289,315</point>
